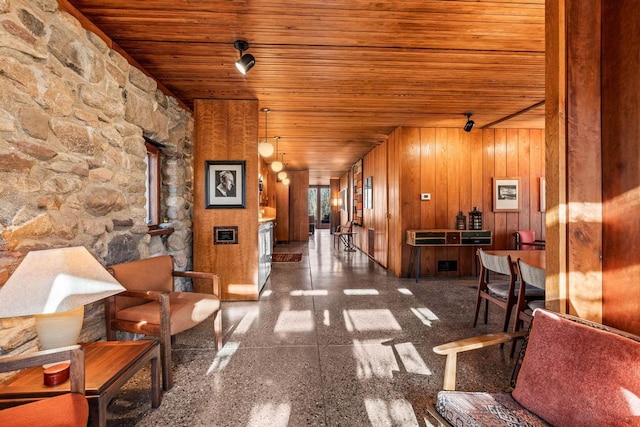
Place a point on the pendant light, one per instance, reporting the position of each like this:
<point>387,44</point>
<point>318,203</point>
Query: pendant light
<point>282,174</point>
<point>286,181</point>
<point>277,166</point>
<point>265,148</point>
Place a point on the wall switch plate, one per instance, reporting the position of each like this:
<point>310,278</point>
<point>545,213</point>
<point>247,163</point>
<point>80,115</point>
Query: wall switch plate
<point>425,196</point>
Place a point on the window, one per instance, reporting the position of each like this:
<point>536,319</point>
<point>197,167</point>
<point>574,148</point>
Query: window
<point>152,187</point>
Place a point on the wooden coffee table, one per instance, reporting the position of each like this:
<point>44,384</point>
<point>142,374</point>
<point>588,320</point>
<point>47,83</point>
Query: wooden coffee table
<point>108,366</point>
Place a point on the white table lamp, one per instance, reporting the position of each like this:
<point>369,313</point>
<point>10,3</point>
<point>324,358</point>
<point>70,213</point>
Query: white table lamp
<point>54,285</point>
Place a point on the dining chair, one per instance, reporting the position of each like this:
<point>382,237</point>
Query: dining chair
<point>531,276</point>
<point>347,228</point>
<point>503,292</point>
<point>67,409</point>
<point>526,240</point>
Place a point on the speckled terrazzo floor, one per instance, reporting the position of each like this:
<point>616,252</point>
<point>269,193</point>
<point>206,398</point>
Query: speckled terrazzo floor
<point>334,341</point>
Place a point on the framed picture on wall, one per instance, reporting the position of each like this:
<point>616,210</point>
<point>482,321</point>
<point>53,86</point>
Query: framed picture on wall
<point>506,194</point>
<point>225,184</point>
<point>368,193</point>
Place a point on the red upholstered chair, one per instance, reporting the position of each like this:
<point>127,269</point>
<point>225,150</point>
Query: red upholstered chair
<point>150,306</point>
<point>69,409</point>
<point>526,240</point>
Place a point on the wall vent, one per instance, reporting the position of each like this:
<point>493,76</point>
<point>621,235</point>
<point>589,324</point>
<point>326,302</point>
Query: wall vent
<point>448,265</point>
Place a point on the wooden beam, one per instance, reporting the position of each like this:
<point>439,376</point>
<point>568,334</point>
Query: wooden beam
<point>516,114</point>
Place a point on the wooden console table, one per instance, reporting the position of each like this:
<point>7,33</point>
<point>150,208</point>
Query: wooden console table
<point>445,238</point>
<point>108,366</point>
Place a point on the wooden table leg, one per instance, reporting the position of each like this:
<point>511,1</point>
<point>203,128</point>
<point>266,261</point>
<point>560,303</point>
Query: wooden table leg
<point>156,392</point>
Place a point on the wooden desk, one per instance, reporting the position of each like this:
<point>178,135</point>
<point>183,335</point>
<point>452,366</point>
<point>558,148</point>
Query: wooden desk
<point>535,258</point>
<point>108,366</point>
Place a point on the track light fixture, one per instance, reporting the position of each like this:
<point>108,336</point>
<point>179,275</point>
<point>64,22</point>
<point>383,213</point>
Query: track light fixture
<point>265,148</point>
<point>470,123</point>
<point>246,62</point>
<point>277,166</point>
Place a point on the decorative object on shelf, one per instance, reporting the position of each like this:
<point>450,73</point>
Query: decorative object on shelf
<point>506,194</point>
<point>461,221</point>
<point>470,123</point>
<point>55,285</point>
<point>225,184</point>
<point>247,61</point>
<point>475,219</point>
<point>265,148</point>
<point>277,166</point>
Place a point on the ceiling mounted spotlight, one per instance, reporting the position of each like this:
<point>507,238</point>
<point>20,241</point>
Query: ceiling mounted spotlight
<point>265,148</point>
<point>277,166</point>
<point>246,62</point>
<point>470,123</point>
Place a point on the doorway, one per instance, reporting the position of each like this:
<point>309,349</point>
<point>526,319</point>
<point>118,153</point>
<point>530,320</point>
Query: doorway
<point>320,206</point>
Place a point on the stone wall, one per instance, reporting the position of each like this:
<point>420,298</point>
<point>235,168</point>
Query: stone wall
<point>73,114</point>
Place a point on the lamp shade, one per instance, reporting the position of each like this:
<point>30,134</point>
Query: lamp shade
<point>56,280</point>
<point>282,175</point>
<point>277,166</point>
<point>286,181</point>
<point>265,149</point>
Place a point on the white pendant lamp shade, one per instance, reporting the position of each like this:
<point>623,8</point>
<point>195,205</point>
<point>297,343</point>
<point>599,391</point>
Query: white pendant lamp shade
<point>265,149</point>
<point>286,181</point>
<point>282,175</point>
<point>277,166</point>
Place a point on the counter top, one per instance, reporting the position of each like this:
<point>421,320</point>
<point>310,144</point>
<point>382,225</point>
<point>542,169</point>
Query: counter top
<point>265,219</point>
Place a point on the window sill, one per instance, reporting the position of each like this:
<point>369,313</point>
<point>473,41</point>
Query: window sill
<point>156,231</point>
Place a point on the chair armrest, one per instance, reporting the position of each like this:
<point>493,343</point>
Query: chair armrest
<point>74,353</point>
<point>451,350</point>
<point>215,280</point>
<point>150,295</point>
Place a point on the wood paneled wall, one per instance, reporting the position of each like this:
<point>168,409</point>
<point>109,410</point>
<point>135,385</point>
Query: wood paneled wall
<point>457,168</point>
<point>621,171</point>
<point>299,206</point>
<point>227,130</point>
<point>375,166</point>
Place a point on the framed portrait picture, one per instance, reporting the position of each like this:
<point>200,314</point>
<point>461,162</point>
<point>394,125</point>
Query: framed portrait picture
<point>506,194</point>
<point>225,184</point>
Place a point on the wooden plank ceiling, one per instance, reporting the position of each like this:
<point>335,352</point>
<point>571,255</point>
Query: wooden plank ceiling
<point>340,75</point>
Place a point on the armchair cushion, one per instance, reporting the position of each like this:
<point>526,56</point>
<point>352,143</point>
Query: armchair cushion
<point>575,374</point>
<point>70,409</point>
<point>187,310</point>
<point>466,409</point>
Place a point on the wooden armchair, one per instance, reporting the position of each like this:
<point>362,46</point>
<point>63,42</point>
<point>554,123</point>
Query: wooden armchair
<point>69,409</point>
<point>570,372</point>
<point>150,306</point>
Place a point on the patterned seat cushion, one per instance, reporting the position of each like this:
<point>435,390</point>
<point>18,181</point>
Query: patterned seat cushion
<point>465,409</point>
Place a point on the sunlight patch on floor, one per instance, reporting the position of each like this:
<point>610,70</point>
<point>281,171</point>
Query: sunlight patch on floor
<point>294,321</point>
<point>405,291</point>
<point>425,315</point>
<point>396,412</point>
<point>370,320</point>
<point>373,360</point>
<point>411,359</point>
<point>313,293</point>
<point>361,292</point>
<point>223,357</point>
<point>247,321</point>
<point>270,414</point>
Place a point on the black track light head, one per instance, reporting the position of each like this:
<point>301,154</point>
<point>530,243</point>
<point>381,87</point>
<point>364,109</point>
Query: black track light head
<point>470,123</point>
<point>247,61</point>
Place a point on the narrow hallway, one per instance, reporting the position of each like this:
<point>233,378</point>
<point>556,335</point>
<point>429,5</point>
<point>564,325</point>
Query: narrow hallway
<point>334,341</point>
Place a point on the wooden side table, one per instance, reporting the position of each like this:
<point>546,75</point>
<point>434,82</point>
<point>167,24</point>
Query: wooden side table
<point>108,366</point>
